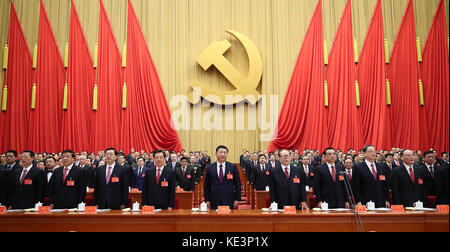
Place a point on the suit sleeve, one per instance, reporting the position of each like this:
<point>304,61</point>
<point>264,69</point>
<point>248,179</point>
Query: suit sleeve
<point>82,185</point>
<point>237,184</point>
<point>272,191</point>
<point>51,189</point>
<point>145,188</point>
<point>316,183</point>
<point>302,186</point>
<point>207,184</point>
<point>125,184</point>
<point>40,187</point>
<point>356,181</point>
<point>172,184</point>
<point>395,187</point>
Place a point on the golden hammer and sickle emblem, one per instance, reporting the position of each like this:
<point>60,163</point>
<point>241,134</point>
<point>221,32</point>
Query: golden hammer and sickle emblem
<point>245,86</point>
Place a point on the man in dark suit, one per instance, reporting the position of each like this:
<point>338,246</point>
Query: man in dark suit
<point>442,187</point>
<point>173,163</point>
<point>407,182</point>
<point>27,184</point>
<point>288,183</point>
<point>370,180</point>
<point>185,176</point>
<point>50,166</point>
<point>261,174</point>
<point>328,184</point>
<point>273,162</point>
<point>5,175</point>
<point>67,187</point>
<point>308,170</point>
<point>429,168</point>
<point>222,185</point>
<point>138,174</point>
<point>111,183</point>
<point>159,185</point>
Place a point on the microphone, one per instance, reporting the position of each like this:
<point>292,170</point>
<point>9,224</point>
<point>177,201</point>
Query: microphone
<point>352,199</point>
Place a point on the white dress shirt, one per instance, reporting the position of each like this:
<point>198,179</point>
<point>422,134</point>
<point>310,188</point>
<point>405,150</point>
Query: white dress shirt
<point>369,164</point>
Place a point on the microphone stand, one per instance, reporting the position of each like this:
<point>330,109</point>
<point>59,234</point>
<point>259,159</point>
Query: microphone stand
<point>351,198</point>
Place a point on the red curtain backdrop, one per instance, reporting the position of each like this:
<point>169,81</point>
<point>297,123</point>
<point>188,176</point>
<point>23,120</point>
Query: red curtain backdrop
<point>76,123</point>
<point>45,120</point>
<point>19,79</point>
<point>344,120</point>
<point>106,121</point>
<point>409,127</point>
<point>375,113</point>
<point>302,122</point>
<point>146,123</point>
<point>435,77</point>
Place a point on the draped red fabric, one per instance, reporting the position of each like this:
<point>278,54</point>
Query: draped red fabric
<point>344,120</point>
<point>45,120</point>
<point>409,129</point>
<point>435,77</point>
<point>76,124</point>
<point>371,72</point>
<point>106,121</point>
<point>146,123</point>
<point>19,80</point>
<point>302,122</point>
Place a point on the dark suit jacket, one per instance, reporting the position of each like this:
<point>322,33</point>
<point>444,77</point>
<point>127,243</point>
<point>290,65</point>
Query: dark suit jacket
<point>404,191</point>
<point>442,187</point>
<point>366,188</point>
<point>429,180</point>
<point>113,194</point>
<point>225,193</point>
<point>24,196</point>
<point>310,176</point>
<point>325,189</point>
<point>186,181</point>
<point>261,178</point>
<point>154,194</point>
<point>285,191</point>
<point>5,183</point>
<point>62,193</point>
<point>137,181</point>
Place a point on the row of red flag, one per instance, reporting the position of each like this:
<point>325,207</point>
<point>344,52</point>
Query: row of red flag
<point>307,121</point>
<point>144,124</point>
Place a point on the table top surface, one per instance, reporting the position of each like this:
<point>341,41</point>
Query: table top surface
<point>234,213</point>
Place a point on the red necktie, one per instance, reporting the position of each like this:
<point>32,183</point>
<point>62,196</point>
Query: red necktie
<point>333,173</point>
<point>158,175</point>
<point>286,173</point>
<point>221,173</point>
<point>306,171</point>
<point>108,175</point>
<point>23,176</point>
<point>65,174</point>
<point>374,172</point>
<point>411,174</point>
<point>184,170</point>
<point>350,175</point>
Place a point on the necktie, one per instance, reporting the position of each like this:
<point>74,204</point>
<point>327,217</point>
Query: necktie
<point>221,173</point>
<point>286,173</point>
<point>262,169</point>
<point>158,175</point>
<point>333,173</point>
<point>350,175</point>
<point>108,175</point>
<point>411,174</point>
<point>184,170</point>
<point>306,171</point>
<point>23,176</point>
<point>65,174</point>
<point>374,172</point>
<point>432,172</point>
<point>10,167</point>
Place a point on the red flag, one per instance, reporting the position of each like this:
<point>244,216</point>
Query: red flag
<point>435,77</point>
<point>146,123</point>
<point>76,119</point>
<point>408,129</point>
<point>302,122</point>
<point>344,120</point>
<point>375,113</point>
<point>19,80</point>
<point>106,121</point>
<point>45,120</point>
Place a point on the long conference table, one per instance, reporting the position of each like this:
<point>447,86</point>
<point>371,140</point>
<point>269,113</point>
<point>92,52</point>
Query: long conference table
<point>183,220</point>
